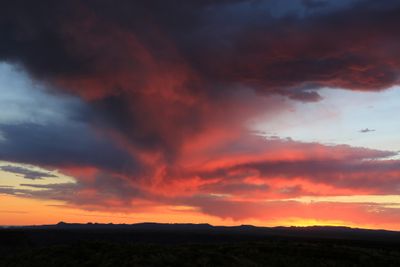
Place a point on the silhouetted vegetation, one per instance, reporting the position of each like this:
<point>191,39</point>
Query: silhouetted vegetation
<point>195,245</point>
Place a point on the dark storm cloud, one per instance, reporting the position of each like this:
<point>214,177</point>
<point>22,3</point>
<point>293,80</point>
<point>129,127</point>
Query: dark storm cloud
<point>249,47</point>
<point>61,146</point>
<point>27,173</point>
<point>196,49</point>
<point>30,36</point>
<point>352,48</point>
<point>147,125</point>
<point>141,64</point>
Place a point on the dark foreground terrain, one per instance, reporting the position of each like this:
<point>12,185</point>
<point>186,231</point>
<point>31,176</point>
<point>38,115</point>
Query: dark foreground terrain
<point>196,245</point>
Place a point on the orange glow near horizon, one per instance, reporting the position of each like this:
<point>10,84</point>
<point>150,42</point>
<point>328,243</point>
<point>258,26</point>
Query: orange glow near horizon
<point>18,211</point>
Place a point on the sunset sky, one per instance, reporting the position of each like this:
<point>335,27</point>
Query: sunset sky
<point>263,112</point>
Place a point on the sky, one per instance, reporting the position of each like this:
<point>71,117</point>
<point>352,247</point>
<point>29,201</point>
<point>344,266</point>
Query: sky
<point>260,112</point>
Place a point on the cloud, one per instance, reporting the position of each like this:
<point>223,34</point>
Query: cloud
<point>315,3</point>
<point>61,146</point>
<point>27,173</point>
<point>193,43</point>
<point>155,80</point>
<point>50,129</point>
<point>367,130</point>
<point>305,96</point>
<point>160,96</point>
<point>268,169</point>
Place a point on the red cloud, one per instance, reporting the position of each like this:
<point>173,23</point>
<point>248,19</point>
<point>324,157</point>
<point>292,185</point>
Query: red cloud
<point>175,93</point>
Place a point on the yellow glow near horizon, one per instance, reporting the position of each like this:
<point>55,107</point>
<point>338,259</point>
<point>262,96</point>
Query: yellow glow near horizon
<point>9,179</point>
<point>302,222</point>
